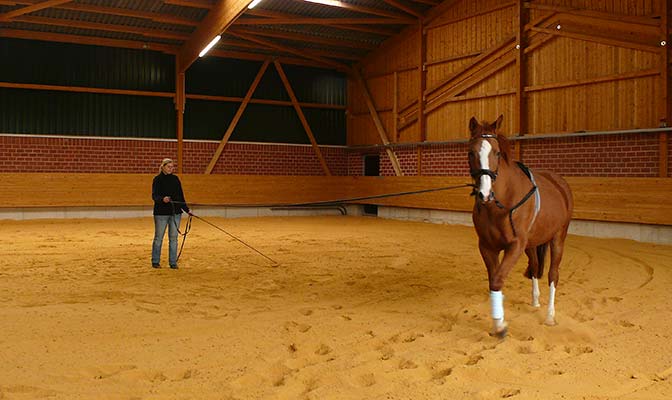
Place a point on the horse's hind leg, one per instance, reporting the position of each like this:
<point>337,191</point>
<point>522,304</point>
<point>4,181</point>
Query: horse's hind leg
<point>557,248</point>
<point>533,272</point>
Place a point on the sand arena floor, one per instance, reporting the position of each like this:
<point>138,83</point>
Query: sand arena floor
<point>359,308</point>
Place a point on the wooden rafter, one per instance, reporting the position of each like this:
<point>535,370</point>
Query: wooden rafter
<point>258,12</point>
<point>236,118</point>
<point>155,33</point>
<point>302,117</point>
<point>403,7</point>
<point>10,15</point>
<point>306,37</point>
<point>206,4</point>
<point>243,55</point>
<point>438,11</point>
<point>428,2</point>
<point>122,12</point>
<point>618,18</point>
<point>301,53</point>
<point>321,53</point>
<point>325,21</point>
<point>219,18</point>
<point>90,40</point>
<point>481,11</point>
<point>355,7</point>
<point>377,122</point>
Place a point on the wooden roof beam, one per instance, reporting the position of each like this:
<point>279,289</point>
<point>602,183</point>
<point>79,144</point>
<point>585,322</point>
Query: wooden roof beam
<point>205,4</point>
<point>307,37</point>
<point>242,55</point>
<point>218,20</point>
<point>89,40</point>
<point>103,27</point>
<point>403,7</point>
<point>27,10</point>
<point>321,53</point>
<point>325,21</point>
<point>355,8</point>
<point>361,28</point>
<point>123,12</point>
<point>428,2</point>
<point>298,52</point>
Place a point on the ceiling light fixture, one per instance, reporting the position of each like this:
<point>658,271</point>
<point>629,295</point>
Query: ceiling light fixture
<point>209,46</point>
<point>254,4</point>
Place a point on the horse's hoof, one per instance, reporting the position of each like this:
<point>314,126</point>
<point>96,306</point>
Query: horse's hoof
<point>550,321</point>
<point>536,305</point>
<point>501,334</point>
<point>500,331</point>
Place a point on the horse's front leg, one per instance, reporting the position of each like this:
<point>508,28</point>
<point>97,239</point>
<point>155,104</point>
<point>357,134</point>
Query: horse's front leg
<point>511,255</point>
<point>491,260</point>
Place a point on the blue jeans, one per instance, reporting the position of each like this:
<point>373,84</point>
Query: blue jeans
<point>160,223</point>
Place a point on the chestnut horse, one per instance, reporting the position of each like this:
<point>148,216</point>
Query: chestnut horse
<point>515,211</point>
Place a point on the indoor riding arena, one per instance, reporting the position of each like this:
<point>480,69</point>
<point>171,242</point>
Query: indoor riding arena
<point>353,221</point>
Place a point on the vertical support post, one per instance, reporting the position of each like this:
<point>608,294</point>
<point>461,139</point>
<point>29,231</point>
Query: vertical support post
<point>395,108</point>
<point>423,81</point>
<point>521,105</point>
<point>180,99</point>
<point>665,106</point>
<point>422,122</point>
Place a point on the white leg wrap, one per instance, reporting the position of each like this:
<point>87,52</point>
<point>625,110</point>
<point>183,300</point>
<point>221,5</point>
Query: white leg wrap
<point>496,305</point>
<point>550,317</point>
<point>535,292</point>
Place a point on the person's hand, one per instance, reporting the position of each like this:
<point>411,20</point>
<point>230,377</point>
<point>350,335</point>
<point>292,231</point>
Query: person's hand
<point>166,199</point>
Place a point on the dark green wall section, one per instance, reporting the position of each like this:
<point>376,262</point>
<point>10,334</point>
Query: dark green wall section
<point>63,64</point>
<point>70,113</point>
<point>85,114</point>
<point>264,123</point>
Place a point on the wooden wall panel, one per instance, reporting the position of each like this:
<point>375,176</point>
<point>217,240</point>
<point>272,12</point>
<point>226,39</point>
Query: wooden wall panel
<point>593,82</point>
<point>397,53</point>
<point>638,200</point>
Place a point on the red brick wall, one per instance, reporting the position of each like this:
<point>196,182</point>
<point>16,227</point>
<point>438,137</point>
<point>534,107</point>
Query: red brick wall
<point>59,154</point>
<point>632,155</point>
<point>626,155</point>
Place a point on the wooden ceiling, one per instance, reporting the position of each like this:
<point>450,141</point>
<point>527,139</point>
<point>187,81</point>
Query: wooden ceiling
<point>326,33</point>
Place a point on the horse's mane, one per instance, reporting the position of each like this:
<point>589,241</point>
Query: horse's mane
<point>504,147</point>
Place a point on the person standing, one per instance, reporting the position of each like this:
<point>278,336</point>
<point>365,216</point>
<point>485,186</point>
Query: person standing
<point>169,204</point>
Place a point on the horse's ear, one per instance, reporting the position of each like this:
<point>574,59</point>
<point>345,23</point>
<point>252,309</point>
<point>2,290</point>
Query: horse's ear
<point>473,124</point>
<point>498,124</point>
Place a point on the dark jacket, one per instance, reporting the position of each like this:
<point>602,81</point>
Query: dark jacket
<point>168,185</point>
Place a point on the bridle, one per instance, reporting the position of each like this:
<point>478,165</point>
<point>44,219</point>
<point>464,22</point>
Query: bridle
<point>477,174</point>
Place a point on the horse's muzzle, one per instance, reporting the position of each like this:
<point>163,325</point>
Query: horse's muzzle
<point>484,199</point>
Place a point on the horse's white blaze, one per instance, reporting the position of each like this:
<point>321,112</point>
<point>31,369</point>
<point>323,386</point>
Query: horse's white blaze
<point>550,317</point>
<point>535,292</point>
<point>486,181</point>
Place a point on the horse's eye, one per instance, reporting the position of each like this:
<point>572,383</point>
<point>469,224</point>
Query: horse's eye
<point>497,154</point>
